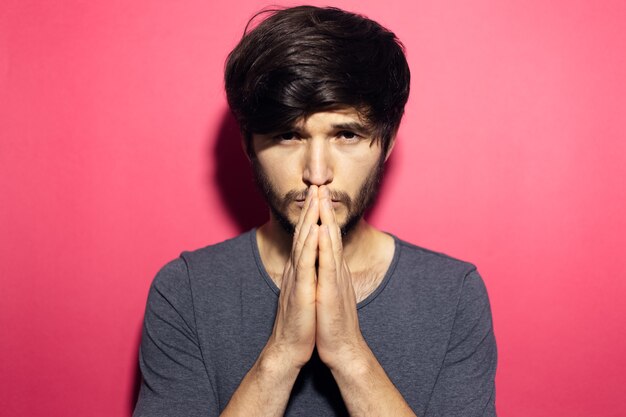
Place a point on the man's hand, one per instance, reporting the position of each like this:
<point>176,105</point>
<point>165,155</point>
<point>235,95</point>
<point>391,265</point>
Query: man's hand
<point>317,309</point>
<point>293,336</point>
<point>338,336</point>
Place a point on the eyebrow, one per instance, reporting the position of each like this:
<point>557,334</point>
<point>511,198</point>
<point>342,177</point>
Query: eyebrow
<point>359,127</point>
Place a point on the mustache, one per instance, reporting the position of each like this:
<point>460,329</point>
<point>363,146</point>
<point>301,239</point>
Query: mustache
<point>335,195</point>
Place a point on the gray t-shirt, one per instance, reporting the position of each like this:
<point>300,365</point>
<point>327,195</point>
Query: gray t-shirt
<point>210,312</point>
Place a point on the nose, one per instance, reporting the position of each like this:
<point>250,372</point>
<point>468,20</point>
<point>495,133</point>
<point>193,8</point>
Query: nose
<point>318,165</point>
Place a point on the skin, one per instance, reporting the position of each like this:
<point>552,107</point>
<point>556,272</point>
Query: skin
<point>315,163</point>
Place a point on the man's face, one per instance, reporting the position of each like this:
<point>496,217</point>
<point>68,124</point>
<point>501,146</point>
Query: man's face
<point>332,148</point>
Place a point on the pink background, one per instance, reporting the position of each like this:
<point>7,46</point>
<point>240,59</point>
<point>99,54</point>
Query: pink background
<point>117,153</point>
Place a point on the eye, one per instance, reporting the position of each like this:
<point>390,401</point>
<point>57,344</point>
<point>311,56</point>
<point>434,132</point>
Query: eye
<point>286,136</point>
<point>348,136</point>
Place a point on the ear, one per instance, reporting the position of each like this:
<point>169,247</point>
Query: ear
<point>244,147</point>
<point>247,144</point>
<point>392,143</point>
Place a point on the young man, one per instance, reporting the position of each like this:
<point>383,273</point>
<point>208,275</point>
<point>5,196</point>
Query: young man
<point>317,313</point>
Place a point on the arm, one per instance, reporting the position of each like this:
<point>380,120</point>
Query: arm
<point>365,387</point>
<point>465,385</point>
<point>175,381</point>
<point>466,382</point>
<point>265,389</point>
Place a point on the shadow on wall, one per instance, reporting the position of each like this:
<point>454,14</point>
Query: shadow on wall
<point>233,177</point>
<point>136,375</point>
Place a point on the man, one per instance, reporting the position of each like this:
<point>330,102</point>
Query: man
<point>317,313</point>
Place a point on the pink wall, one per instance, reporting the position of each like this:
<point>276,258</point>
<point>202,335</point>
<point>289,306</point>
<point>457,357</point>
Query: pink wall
<point>116,153</point>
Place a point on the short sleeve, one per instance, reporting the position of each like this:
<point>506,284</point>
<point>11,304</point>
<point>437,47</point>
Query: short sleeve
<point>466,383</point>
<point>175,381</point>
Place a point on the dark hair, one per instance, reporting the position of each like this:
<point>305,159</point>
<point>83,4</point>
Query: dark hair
<point>305,59</point>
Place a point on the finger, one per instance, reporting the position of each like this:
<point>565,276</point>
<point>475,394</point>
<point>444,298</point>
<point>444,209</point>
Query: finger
<point>346,273</point>
<point>337,235</point>
<point>310,219</point>
<point>327,215</point>
<point>303,223</point>
<point>305,207</point>
<point>327,264</point>
<point>287,280</point>
<point>305,267</point>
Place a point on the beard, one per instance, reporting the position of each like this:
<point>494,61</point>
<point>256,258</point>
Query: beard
<point>279,205</point>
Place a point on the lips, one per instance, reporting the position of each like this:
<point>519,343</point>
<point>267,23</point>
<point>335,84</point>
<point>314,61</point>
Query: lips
<point>300,203</point>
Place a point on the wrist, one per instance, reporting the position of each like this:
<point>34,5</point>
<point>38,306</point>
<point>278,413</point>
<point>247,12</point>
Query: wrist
<point>277,361</point>
<point>353,363</point>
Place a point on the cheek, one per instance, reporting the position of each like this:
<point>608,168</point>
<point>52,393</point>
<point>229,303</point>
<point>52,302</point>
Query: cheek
<point>278,155</point>
<point>280,170</point>
<point>354,172</point>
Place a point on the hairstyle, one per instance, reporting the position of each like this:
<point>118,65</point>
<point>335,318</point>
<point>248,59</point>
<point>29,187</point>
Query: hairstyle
<point>306,59</point>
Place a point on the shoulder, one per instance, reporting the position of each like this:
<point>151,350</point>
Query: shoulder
<point>429,263</point>
<point>447,285</point>
<point>437,275</point>
<point>227,254</point>
<point>176,274</point>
